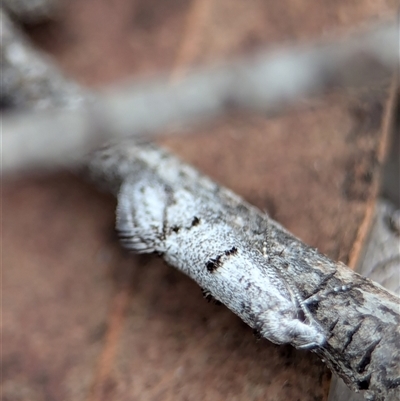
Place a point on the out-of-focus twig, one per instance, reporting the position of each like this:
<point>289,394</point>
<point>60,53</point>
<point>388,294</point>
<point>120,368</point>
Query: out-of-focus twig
<point>31,10</point>
<point>269,82</point>
<point>29,80</point>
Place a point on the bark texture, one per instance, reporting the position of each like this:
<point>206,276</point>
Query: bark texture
<point>358,319</point>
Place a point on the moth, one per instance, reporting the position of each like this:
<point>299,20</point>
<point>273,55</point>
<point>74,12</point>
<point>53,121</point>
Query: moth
<point>209,233</point>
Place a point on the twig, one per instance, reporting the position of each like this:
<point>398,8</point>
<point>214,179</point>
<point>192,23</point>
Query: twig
<point>381,262</point>
<point>31,10</point>
<point>29,80</point>
<point>268,83</point>
<point>285,290</point>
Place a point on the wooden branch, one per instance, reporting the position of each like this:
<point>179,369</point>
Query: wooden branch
<point>381,262</point>
<point>282,288</point>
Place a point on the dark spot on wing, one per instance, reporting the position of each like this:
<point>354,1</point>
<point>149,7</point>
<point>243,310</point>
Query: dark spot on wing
<point>175,229</point>
<point>214,264</point>
<point>195,221</point>
<point>232,251</point>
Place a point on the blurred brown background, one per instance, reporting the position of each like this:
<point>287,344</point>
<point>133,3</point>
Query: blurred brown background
<point>82,319</point>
